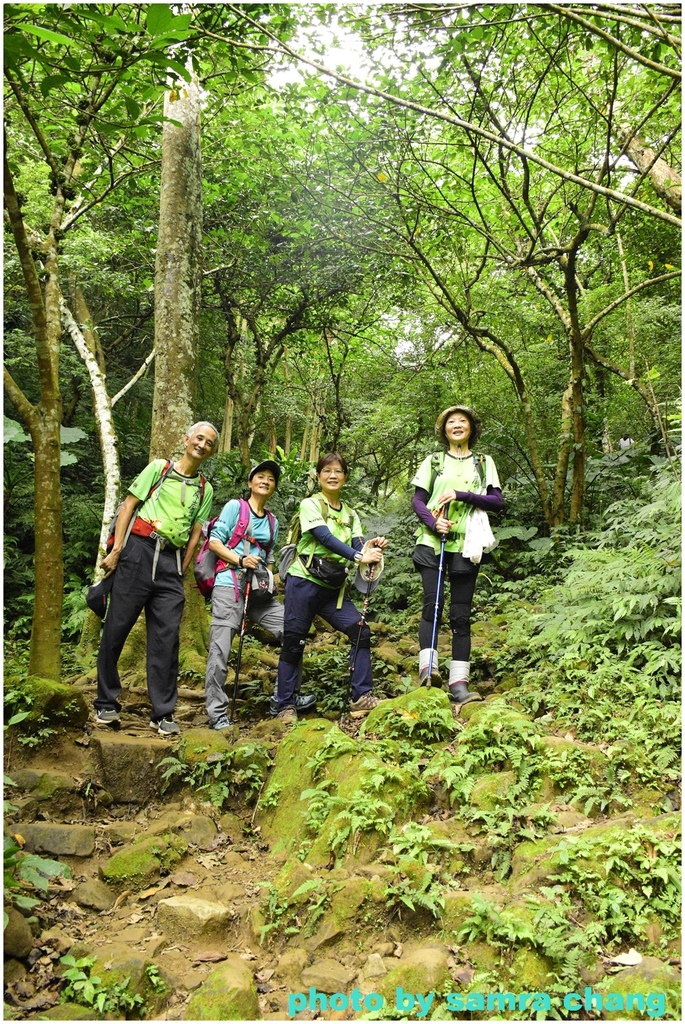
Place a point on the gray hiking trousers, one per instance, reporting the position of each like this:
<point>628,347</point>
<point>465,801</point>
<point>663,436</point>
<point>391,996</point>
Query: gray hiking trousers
<point>227,614</point>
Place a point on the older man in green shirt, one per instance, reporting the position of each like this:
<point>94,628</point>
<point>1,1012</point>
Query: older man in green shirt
<point>155,538</point>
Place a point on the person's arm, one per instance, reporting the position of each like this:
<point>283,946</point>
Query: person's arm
<point>419,505</point>
<point>490,502</point>
<point>232,556</point>
<point>191,546</point>
<point>126,514</point>
<point>324,536</point>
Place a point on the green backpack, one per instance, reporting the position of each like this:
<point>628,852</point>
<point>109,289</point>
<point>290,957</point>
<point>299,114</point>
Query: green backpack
<point>438,467</point>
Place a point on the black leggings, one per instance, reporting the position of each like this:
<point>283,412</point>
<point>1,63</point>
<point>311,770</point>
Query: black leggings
<point>462,586</point>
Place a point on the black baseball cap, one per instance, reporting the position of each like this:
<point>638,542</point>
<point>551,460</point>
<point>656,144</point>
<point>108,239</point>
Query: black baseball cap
<point>96,596</point>
<point>269,464</point>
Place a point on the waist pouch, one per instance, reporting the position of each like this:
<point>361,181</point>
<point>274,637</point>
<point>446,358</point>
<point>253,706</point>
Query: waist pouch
<point>332,573</point>
<point>262,584</point>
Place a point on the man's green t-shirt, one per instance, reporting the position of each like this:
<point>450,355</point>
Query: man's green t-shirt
<point>343,523</point>
<point>458,474</point>
<point>175,505</point>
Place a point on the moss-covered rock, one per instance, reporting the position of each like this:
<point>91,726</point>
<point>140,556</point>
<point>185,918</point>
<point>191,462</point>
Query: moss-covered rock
<point>371,795</point>
<point>139,865</point>
<point>64,1011</point>
<point>51,703</point>
<point>542,859</point>
<point>423,715</point>
<point>531,972</point>
<point>491,789</point>
<point>118,961</point>
<point>229,993</point>
<point>649,991</point>
<point>199,744</point>
<point>422,969</point>
<point>283,823</point>
<point>128,766</point>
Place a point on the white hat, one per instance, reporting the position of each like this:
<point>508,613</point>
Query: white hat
<point>364,581</point>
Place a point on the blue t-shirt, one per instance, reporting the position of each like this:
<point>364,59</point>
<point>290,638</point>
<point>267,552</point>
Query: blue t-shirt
<point>258,528</point>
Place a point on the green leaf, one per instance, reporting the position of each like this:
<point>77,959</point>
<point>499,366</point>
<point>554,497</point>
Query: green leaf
<point>52,82</point>
<point>12,431</point>
<point>48,35</point>
<point>70,435</point>
<point>132,108</point>
<point>159,18</point>
<point>19,717</point>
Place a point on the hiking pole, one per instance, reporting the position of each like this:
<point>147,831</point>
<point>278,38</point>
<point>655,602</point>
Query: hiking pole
<point>362,623</point>
<point>243,624</point>
<point>438,590</point>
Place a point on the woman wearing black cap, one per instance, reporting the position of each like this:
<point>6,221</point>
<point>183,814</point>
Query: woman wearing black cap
<point>237,551</point>
<point>448,486</point>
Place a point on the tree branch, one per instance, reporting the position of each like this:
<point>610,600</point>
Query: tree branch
<point>457,122</point>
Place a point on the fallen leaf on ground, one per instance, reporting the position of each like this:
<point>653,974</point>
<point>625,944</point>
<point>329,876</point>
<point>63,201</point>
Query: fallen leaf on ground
<point>211,956</point>
<point>121,899</point>
<point>630,959</point>
<point>146,893</point>
<point>265,975</point>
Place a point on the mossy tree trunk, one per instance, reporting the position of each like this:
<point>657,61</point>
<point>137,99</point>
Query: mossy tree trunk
<point>178,275</point>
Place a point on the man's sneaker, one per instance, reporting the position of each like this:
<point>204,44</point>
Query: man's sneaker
<point>107,716</point>
<point>222,723</point>
<point>303,702</point>
<point>165,726</point>
<point>367,702</point>
<point>288,715</point>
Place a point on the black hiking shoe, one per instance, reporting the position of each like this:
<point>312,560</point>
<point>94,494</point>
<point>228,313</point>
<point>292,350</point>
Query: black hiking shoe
<point>165,726</point>
<point>303,702</point>
<point>108,716</point>
<point>459,694</point>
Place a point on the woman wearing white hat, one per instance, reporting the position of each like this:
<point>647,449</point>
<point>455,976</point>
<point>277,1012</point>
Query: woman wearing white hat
<point>449,486</point>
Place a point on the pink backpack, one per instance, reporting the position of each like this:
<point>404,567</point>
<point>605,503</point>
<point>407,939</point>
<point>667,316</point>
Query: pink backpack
<point>207,564</point>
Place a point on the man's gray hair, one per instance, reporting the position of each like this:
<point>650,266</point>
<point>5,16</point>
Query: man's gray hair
<point>202,423</point>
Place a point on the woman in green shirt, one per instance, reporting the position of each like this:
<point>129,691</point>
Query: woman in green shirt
<point>448,485</point>
<point>331,540</point>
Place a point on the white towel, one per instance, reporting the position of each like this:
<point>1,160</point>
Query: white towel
<point>479,537</point>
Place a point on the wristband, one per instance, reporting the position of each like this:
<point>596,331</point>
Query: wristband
<point>240,561</point>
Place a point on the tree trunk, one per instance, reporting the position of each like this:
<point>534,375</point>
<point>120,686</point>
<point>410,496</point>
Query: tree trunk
<point>43,422</point>
<point>86,347</point>
<point>305,434</point>
<point>227,426</point>
<point>577,346</point>
<point>665,180</point>
<point>178,276</point>
<point>177,271</point>
<point>629,314</point>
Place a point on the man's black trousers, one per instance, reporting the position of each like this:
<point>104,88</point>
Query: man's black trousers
<point>162,598</point>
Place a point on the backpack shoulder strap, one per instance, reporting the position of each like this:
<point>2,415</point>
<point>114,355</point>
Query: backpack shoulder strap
<point>480,466</point>
<point>437,469</point>
<point>168,467</point>
<point>240,528</point>
<point>272,529</point>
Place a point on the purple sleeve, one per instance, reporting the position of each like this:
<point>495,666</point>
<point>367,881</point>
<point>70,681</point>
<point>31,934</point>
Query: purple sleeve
<point>324,536</point>
<point>490,502</point>
<point>419,505</point>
